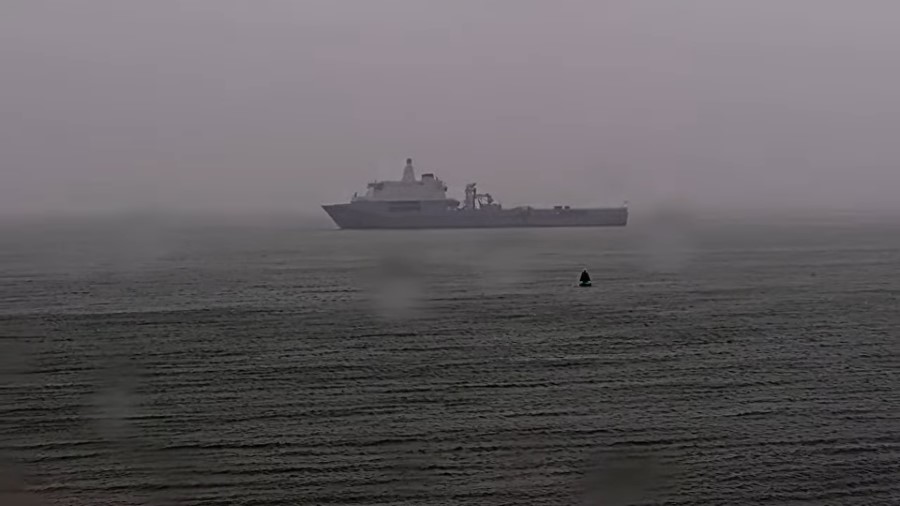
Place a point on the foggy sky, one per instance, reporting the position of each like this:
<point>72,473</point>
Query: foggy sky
<point>110,105</point>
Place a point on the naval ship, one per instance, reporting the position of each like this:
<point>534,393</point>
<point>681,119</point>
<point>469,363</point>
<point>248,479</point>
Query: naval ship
<point>412,203</point>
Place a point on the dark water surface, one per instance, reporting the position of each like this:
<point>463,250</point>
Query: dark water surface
<point>179,363</point>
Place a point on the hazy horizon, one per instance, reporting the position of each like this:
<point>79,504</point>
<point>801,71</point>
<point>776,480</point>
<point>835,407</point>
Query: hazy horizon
<point>278,106</point>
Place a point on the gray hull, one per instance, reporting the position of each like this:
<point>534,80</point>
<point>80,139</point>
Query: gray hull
<point>361,215</point>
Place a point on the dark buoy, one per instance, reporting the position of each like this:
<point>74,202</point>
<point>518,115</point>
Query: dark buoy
<point>585,279</point>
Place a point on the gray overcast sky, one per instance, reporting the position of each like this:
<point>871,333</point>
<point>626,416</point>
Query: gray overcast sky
<point>287,104</point>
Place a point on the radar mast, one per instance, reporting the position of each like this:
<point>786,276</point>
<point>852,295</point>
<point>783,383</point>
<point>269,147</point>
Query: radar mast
<point>409,174</point>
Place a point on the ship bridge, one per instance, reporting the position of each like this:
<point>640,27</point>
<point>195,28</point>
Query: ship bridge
<point>407,188</point>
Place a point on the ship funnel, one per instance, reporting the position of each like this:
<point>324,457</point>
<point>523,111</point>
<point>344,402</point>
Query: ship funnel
<point>471,193</point>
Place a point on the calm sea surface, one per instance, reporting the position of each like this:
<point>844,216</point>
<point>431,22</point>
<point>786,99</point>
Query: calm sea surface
<point>175,362</point>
